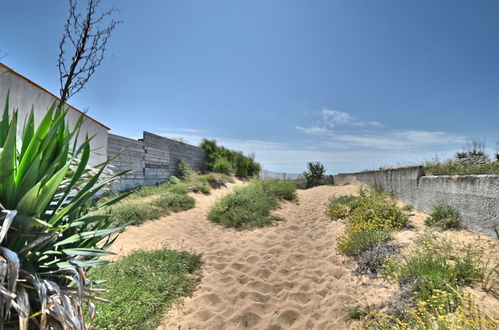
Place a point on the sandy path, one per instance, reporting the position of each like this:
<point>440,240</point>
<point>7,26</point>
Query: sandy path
<point>287,276</point>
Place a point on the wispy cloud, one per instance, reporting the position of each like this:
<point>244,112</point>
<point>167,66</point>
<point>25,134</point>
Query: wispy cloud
<point>334,118</point>
<point>338,129</point>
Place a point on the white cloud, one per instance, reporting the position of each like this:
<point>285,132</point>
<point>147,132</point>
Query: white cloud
<point>384,140</point>
<point>314,130</point>
<point>334,118</point>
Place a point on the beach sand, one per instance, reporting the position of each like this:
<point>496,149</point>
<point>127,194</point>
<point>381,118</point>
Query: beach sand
<point>286,276</point>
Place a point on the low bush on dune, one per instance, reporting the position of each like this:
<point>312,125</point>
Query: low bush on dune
<point>280,189</point>
<point>142,285</point>
<point>152,202</point>
<point>436,264</point>
<point>340,207</point>
<point>372,216</point>
<point>445,217</point>
<point>433,274</point>
<point>174,202</point>
<point>250,206</point>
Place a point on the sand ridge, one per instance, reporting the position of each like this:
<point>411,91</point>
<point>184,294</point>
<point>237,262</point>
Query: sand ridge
<point>287,276</point>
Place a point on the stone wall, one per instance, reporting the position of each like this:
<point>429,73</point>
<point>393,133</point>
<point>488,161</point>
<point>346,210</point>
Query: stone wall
<point>152,159</point>
<point>475,196</point>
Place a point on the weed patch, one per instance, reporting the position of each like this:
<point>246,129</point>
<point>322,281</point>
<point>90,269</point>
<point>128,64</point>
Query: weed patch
<point>437,266</point>
<point>250,206</point>
<point>142,285</point>
<point>445,217</point>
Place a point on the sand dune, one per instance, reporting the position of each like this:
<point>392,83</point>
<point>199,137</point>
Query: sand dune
<point>287,276</point>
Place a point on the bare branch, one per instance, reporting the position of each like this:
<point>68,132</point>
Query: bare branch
<point>83,45</point>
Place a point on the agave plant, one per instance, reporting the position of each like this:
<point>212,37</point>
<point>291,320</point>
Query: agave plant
<point>50,233</point>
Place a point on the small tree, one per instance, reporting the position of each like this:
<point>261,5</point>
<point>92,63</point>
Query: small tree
<point>314,174</point>
<point>82,46</point>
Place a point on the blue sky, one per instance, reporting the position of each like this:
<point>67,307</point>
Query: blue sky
<point>354,84</point>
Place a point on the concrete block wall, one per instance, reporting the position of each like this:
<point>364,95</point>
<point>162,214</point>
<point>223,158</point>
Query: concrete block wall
<point>475,196</point>
<point>152,159</point>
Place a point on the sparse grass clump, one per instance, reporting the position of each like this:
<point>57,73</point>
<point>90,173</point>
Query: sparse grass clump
<point>151,202</point>
<point>142,285</point>
<point>250,206</point>
<point>280,189</point>
<point>174,202</point>
<point>436,266</point>
<point>445,217</point>
<point>357,241</point>
<point>341,207</point>
<point>135,213</point>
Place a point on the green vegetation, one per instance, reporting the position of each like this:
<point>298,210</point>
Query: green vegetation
<point>457,168</point>
<point>142,285</point>
<point>152,202</point>
<point>250,206</point>
<point>472,161</point>
<point>372,216</point>
<point>341,207</point>
<point>358,241</point>
<point>356,312</point>
<point>433,273</point>
<point>183,170</point>
<point>467,315</point>
<point>314,174</point>
<point>223,160</point>
<point>444,216</point>
<point>437,264</point>
<point>45,234</point>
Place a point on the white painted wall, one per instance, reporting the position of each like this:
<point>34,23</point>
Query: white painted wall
<point>25,94</point>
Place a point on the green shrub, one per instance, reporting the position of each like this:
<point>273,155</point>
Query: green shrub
<point>340,207</point>
<point>435,266</point>
<point>183,170</point>
<point>223,160</point>
<point>174,180</point>
<point>354,243</point>
<point>205,189</point>
<point>314,174</point>
<point>222,165</point>
<point>280,189</point>
<point>52,233</point>
<point>248,206</point>
<point>143,285</point>
<point>445,217</point>
<point>376,211</point>
<point>174,202</point>
<point>135,213</point>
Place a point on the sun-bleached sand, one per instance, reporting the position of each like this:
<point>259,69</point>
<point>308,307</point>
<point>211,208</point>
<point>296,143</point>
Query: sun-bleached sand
<point>287,276</point>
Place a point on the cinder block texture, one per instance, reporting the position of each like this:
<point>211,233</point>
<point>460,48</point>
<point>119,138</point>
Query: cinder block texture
<point>151,160</point>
